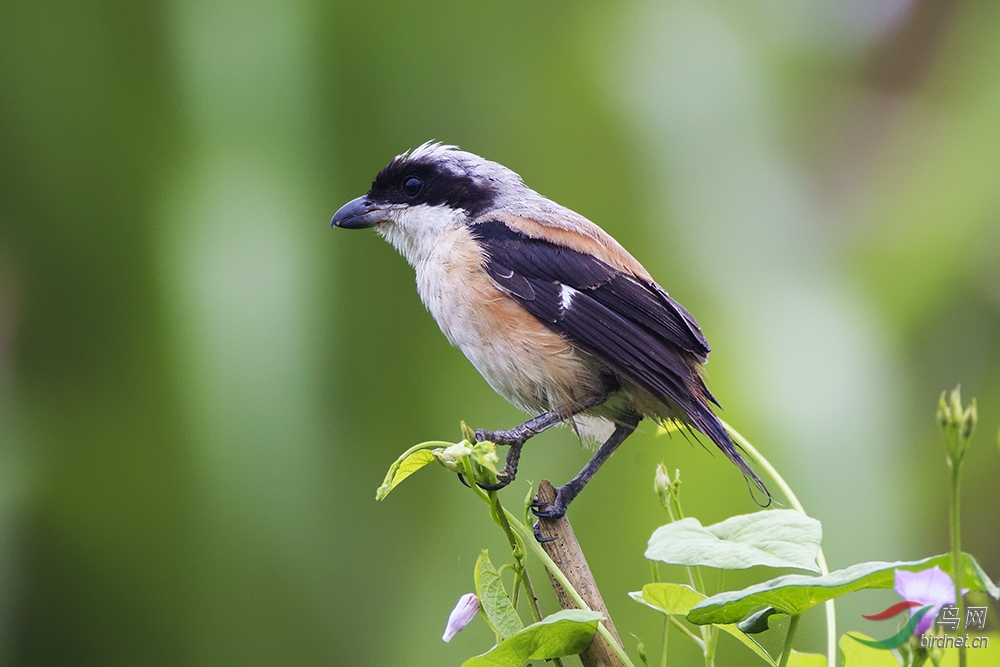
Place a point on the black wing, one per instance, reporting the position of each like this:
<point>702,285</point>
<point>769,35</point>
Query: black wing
<point>628,324</point>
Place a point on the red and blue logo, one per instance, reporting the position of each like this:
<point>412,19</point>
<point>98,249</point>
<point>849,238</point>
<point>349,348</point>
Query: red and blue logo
<point>905,632</point>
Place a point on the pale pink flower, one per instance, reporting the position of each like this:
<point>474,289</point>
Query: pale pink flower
<point>928,587</point>
<point>463,613</point>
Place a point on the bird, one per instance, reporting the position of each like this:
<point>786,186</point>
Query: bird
<point>553,312</point>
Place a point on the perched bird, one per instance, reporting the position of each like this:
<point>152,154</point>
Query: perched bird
<point>557,316</point>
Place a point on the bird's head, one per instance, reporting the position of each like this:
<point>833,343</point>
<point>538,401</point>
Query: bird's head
<point>426,192</point>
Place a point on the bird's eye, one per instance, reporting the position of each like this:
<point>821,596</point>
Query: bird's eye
<point>412,186</point>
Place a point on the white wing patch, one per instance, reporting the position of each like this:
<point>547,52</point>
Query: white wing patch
<point>566,294</point>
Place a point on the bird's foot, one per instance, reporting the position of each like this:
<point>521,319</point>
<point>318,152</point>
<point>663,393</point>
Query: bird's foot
<point>509,472</point>
<point>554,510</point>
<point>544,510</point>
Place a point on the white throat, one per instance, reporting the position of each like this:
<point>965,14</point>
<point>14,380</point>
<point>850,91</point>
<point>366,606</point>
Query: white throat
<point>415,231</point>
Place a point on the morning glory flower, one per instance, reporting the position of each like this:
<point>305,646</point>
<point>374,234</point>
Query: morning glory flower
<point>461,615</point>
<point>928,587</point>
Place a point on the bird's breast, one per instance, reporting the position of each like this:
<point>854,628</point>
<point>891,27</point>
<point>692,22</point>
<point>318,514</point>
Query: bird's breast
<point>526,363</point>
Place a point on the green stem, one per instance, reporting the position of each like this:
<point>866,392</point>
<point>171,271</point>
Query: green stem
<point>516,594</point>
<point>707,631</point>
<point>787,651</point>
<point>710,632</point>
<point>518,551</point>
<point>710,644</point>
<point>714,632</point>
<point>663,641</point>
<point>831,612</point>
<point>529,590</point>
<point>690,635</point>
<point>694,584</point>
<point>956,547</point>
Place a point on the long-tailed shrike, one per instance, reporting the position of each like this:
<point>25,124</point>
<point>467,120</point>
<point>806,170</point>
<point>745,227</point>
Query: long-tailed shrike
<point>557,316</point>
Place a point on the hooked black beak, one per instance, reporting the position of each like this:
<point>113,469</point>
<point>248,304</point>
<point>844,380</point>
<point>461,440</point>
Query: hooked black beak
<point>358,213</point>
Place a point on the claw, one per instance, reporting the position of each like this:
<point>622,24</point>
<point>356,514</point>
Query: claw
<point>538,535</point>
<point>461,478</point>
<point>548,510</point>
<point>504,478</point>
<point>501,483</point>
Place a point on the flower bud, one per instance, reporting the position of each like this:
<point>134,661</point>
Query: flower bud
<point>640,648</point>
<point>449,457</point>
<point>661,482</point>
<point>956,403</point>
<point>463,613</point>
<point>468,433</point>
<point>969,419</point>
<point>668,491</point>
<point>957,424</point>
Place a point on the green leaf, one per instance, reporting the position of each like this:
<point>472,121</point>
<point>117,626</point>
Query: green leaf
<point>668,598</point>
<point>795,593</point>
<point>493,599</point>
<point>857,654</point>
<point>775,538</point>
<point>678,599</point>
<point>797,659</point>
<point>568,632</point>
<point>412,460</point>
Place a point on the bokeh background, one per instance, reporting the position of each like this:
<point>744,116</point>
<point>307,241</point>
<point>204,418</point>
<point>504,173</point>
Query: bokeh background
<point>201,384</point>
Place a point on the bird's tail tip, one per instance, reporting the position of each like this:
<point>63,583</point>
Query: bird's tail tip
<point>713,428</point>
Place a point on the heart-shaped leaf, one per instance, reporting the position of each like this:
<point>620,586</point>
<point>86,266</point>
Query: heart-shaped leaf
<point>668,598</point>
<point>775,538</point>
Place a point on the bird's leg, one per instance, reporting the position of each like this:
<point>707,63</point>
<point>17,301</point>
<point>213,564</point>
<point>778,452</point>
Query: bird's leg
<point>517,436</point>
<point>566,493</point>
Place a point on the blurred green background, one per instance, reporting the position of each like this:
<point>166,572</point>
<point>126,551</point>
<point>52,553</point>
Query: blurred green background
<point>201,384</point>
